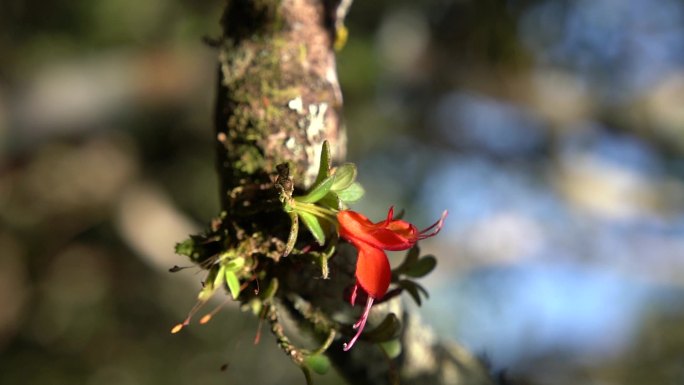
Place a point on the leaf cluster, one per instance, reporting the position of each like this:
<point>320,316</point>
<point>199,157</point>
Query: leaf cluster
<point>414,266</point>
<point>332,190</point>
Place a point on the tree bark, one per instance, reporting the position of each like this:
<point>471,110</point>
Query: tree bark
<point>278,100</point>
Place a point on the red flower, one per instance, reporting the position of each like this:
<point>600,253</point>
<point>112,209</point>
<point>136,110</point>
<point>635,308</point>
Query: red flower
<point>373,272</point>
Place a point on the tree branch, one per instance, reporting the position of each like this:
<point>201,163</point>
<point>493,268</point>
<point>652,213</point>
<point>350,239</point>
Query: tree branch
<point>278,100</point>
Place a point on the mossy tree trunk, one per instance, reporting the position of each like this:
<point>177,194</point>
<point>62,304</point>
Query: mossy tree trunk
<point>278,100</point>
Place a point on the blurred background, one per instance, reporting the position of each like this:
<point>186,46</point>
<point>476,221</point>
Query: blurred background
<point>552,131</point>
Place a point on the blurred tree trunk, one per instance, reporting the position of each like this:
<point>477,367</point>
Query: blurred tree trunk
<point>278,100</point>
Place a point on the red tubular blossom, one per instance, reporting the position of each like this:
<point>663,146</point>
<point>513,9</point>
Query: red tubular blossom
<point>373,272</point>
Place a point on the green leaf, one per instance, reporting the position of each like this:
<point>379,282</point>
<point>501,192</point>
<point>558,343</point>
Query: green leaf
<point>314,225</point>
<point>255,305</point>
<point>388,329</point>
<point>186,247</point>
<point>412,288</point>
<point>319,363</point>
<point>422,290</point>
<point>344,177</point>
<point>233,283</point>
<point>412,255</point>
<point>294,231</point>
<point>317,192</point>
<point>352,193</point>
<point>206,292</point>
<point>330,200</point>
<point>209,284</point>
<point>392,348</point>
<point>421,268</point>
<point>235,264</point>
<point>411,258</point>
<point>218,280</point>
<point>324,167</point>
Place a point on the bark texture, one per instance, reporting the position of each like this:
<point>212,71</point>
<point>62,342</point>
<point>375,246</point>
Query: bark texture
<point>278,100</point>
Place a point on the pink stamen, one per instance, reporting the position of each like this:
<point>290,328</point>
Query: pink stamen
<point>390,216</point>
<point>437,226</point>
<point>352,299</point>
<point>358,326</point>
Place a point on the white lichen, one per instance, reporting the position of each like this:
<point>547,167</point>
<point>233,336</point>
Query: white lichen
<point>290,144</point>
<point>296,104</point>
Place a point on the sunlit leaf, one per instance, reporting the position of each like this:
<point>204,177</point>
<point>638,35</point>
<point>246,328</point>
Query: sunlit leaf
<point>235,264</point>
<point>314,225</point>
<point>218,279</point>
<point>209,284</point>
<point>344,177</point>
<point>318,191</point>
<point>233,283</point>
<point>330,200</point>
<point>254,305</point>
<point>392,348</point>
<point>324,167</point>
<point>352,193</point>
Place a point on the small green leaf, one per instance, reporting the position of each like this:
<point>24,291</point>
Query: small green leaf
<point>233,283</point>
<point>388,329</point>
<point>319,363</point>
<point>186,247</point>
<point>317,192</point>
<point>218,280</point>
<point>412,289</point>
<point>209,284</point>
<point>324,167</point>
<point>314,225</point>
<point>392,348</point>
<point>411,258</point>
<point>254,305</point>
<point>344,177</point>
<point>206,293</point>
<point>413,254</point>
<point>294,231</point>
<point>235,264</point>
<point>422,290</point>
<point>352,193</point>
<point>330,200</point>
<point>421,268</point>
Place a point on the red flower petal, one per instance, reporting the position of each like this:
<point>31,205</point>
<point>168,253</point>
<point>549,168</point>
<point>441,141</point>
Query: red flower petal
<point>356,228</point>
<point>373,272</point>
